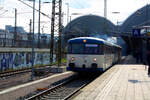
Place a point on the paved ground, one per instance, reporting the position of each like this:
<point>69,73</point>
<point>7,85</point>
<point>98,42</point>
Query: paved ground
<point>121,82</point>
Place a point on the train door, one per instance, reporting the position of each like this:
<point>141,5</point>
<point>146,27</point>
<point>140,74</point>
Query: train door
<point>104,64</point>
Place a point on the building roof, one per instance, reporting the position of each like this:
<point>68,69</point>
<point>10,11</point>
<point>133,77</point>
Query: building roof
<point>141,17</point>
<point>88,25</point>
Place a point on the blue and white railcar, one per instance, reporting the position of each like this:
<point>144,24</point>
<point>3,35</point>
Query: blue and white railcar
<point>88,54</point>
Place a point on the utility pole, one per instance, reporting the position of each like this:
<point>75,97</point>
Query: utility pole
<point>5,40</point>
<point>70,18</point>
<point>56,25</point>
<point>105,17</point>
<point>30,26</point>
<point>52,32</point>
<point>60,30</point>
<point>147,9</point>
<point>32,75</point>
<point>39,34</point>
<point>67,12</point>
<point>105,8</point>
<point>117,30</point>
<point>15,29</point>
<point>30,33</point>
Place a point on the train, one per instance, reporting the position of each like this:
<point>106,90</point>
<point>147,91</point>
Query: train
<point>90,54</point>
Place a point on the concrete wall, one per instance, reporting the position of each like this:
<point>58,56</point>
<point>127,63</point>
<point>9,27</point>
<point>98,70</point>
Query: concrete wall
<point>17,58</point>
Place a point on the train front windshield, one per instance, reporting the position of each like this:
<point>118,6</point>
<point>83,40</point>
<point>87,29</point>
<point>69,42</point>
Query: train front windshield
<point>83,49</point>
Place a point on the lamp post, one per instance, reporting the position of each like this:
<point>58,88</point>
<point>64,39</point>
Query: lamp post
<point>39,24</point>
<point>15,29</point>
<point>117,24</point>
<point>32,69</point>
<point>32,75</point>
<point>105,17</point>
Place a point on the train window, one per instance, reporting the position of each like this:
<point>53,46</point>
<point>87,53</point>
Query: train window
<point>101,49</point>
<point>76,48</point>
<point>106,49</point>
<point>85,49</point>
<point>91,49</point>
<point>109,49</point>
<point>69,48</point>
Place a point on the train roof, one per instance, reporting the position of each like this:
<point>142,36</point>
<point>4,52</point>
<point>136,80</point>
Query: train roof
<point>91,40</point>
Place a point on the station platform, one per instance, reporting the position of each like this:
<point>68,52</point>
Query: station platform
<point>14,93</point>
<point>121,82</point>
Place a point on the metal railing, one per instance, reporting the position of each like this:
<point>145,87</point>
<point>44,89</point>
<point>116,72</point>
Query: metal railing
<point>5,42</point>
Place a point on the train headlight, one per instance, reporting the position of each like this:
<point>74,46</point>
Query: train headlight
<point>73,59</point>
<point>94,59</point>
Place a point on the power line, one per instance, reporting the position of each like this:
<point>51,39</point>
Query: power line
<point>35,9</point>
<point>4,12</point>
<point>7,17</point>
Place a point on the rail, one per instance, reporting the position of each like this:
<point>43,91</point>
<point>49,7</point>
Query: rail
<point>10,73</point>
<point>62,91</point>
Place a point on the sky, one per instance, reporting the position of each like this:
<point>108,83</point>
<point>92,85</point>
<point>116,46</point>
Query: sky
<point>82,7</point>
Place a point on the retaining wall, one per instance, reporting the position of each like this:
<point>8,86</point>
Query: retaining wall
<point>17,58</point>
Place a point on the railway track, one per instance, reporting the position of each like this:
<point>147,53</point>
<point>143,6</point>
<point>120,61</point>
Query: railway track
<point>11,73</point>
<point>42,70</point>
<point>62,91</point>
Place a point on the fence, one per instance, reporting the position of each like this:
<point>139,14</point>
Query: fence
<point>5,42</point>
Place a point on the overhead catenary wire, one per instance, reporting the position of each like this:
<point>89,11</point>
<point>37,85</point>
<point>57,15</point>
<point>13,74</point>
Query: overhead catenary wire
<point>35,9</point>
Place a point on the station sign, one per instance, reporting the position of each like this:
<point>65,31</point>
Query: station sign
<point>136,32</point>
